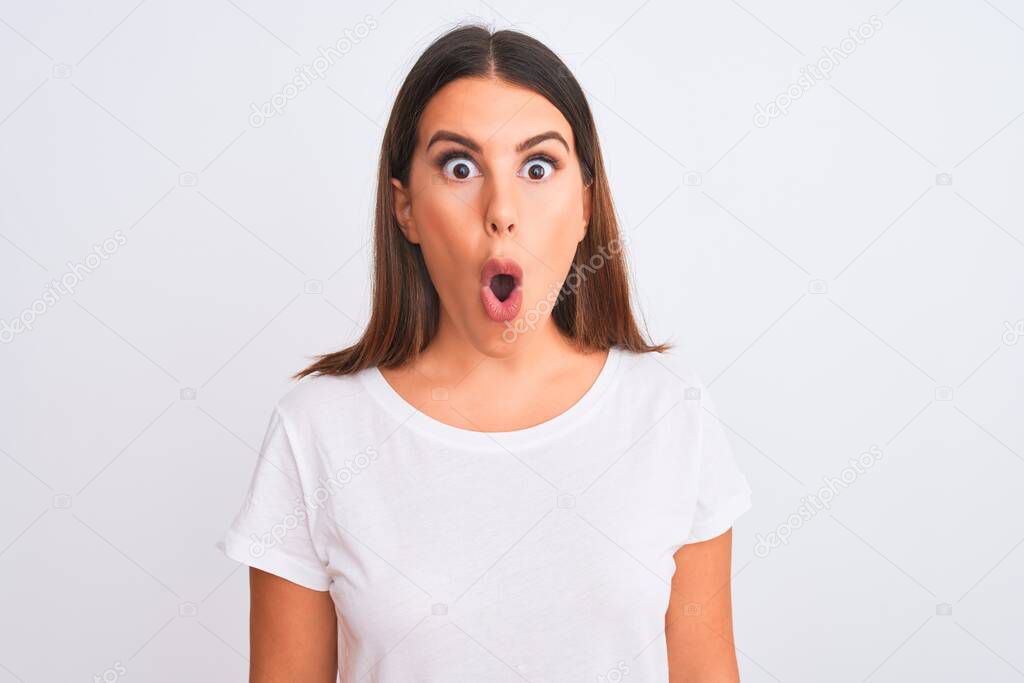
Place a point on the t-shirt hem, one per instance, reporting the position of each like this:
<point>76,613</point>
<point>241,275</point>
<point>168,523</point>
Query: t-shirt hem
<point>723,519</point>
<point>237,548</point>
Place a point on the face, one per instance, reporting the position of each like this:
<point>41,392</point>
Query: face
<point>495,189</point>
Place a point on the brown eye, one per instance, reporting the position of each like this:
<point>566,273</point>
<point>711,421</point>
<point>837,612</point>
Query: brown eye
<point>538,169</point>
<point>459,168</point>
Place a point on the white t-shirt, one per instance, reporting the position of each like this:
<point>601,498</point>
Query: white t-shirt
<point>543,554</point>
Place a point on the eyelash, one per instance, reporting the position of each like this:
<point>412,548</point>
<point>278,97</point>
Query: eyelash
<point>460,154</point>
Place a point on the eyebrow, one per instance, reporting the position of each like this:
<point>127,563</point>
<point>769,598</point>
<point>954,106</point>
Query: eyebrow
<point>524,145</point>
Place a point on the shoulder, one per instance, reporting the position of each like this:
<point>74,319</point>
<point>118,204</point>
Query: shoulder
<point>670,373</point>
<point>316,395</point>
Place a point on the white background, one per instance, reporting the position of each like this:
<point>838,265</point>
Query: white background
<point>834,293</point>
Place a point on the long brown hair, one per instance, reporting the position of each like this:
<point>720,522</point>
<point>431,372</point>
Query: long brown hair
<point>593,307</point>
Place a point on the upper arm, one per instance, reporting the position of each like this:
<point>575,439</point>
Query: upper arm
<point>292,631</point>
<point>698,623</point>
<point>293,628</point>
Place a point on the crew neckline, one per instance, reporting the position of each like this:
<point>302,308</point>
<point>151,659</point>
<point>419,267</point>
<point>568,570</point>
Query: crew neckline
<point>411,417</point>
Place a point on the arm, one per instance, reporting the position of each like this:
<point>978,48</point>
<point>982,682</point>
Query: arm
<point>292,632</point>
<point>698,623</point>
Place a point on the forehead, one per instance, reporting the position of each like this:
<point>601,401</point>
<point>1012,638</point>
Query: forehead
<point>495,114</point>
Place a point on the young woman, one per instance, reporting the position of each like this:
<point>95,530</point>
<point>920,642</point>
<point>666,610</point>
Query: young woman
<point>500,480</point>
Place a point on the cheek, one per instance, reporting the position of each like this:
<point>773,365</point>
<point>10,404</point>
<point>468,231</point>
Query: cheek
<point>448,233</point>
<point>442,215</point>
<point>556,203</point>
<point>550,239</point>
<point>447,237</point>
<point>552,220</point>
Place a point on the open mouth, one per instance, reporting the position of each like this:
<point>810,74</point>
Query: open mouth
<point>502,285</point>
<point>501,289</point>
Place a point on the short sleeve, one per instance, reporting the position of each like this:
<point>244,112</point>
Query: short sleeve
<point>723,492</point>
<point>271,531</point>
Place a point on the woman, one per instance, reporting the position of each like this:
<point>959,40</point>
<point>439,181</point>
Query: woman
<point>501,480</point>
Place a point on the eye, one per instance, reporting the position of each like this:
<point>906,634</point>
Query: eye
<point>458,167</point>
<point>540,167</point>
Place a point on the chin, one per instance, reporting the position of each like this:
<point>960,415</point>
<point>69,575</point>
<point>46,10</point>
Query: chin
<point>492,343</point>
<point>496,340</point>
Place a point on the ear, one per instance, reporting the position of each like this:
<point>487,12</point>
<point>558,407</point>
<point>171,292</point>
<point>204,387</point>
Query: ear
<point>403,211</point>
<point>588,198</point>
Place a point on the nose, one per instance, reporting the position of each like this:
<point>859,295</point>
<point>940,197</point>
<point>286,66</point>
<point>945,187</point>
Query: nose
<point>500,217</point>
<point>500,227</point>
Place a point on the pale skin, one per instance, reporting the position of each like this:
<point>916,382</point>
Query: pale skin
<point>486,202</point>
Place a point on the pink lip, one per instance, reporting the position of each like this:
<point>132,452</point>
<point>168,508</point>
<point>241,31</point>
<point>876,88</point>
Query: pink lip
<point>497,310</point>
